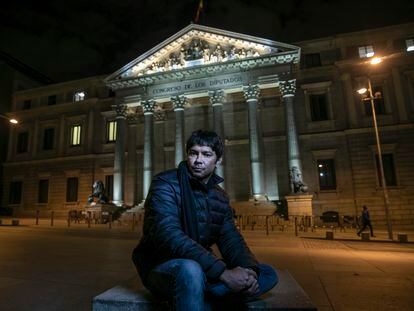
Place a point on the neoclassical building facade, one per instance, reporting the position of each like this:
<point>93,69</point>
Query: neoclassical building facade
<point>290,117</point>
<point>198,65</point>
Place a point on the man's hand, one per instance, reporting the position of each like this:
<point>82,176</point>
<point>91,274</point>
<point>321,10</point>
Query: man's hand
<point>241,280</point>
<point>251,272</point>
<point>253,286</point>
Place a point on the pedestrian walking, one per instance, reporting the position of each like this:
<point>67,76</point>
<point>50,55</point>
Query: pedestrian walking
<point>366,221</point>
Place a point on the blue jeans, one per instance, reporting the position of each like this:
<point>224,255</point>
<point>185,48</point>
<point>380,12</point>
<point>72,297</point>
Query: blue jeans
<point>183,282</point>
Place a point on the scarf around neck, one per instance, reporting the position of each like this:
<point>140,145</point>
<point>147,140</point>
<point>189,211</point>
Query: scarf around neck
<point>189,219</point>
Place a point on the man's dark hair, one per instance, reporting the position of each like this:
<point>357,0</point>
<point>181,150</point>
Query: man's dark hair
<point>206,138</point>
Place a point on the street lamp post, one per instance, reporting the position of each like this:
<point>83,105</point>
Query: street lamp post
<point>384,185</point>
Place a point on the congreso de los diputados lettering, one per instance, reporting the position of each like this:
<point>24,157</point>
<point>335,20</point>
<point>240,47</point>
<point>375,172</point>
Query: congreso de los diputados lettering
<point>297,133</point>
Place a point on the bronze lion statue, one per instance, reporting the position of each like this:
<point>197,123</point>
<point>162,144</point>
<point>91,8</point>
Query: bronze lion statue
<point>98,192</point>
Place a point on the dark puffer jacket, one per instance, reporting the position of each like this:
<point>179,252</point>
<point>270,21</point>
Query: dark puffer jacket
<point>164,238</point>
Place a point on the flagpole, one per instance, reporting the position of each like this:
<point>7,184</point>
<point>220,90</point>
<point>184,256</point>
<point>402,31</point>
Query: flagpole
<point>199,10</point>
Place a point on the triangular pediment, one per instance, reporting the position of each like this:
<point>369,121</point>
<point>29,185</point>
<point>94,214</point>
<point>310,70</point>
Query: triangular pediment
<point>198,45</point>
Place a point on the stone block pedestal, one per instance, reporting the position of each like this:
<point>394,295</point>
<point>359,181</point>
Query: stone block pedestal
<point>286,295</point>
<point>299,205</point>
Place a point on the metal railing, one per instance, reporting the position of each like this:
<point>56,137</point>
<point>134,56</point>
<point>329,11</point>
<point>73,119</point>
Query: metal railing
<point>266,223</point>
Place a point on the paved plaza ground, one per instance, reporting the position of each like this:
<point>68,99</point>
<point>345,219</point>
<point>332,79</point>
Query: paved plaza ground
<point>61,268</point>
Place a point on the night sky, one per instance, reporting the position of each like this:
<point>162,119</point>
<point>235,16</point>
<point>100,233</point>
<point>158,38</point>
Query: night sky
<point>71,39</point>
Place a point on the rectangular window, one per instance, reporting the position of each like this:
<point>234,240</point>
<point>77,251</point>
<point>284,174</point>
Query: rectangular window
<point>312,60</point>
<point>110,131</point>
<point>15,194</point>
<point>43,195</point>
<point>48,139</point>
<point>379,104</point>
<point>27,104</point>
<point>318,107</point>
<point>109,186</point>
<point>410,45</point>
<point>75,135</point>
<point>22,142</point>
<point>327,176</point>
<point>51,100</point>
<point>389,169</point>
<point>111,93</point>
<point>79,96</point>
<point>72,189</point>
<point>352,52</point>
<point>330,56</point>
<point>366,51</point>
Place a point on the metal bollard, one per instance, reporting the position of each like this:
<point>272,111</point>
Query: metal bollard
<point>296,226</point>
<point>267,225</point>
<point>52,214</point>
<point>37,217</point>
<point>89,219</point>
<point>329,235</point>
<point>110,221</point>
<point>133,221</point>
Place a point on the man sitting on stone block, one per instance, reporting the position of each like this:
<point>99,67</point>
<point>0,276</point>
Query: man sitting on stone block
<point>186,212</point>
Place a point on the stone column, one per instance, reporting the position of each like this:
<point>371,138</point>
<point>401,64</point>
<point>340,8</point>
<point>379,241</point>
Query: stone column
<point>288,89</point>
<point>251,93</point>
<point>148,106</point>
<point>216,101</point>
<point>119,158</point>
<point>131,162</point>
<point>159,158</point>
<point>179,102</point>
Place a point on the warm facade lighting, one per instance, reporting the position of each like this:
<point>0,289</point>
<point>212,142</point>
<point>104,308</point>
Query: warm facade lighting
<point>14,121</point>
<point>410,45</point>
<point>362,90</point>
<point>376,60</point>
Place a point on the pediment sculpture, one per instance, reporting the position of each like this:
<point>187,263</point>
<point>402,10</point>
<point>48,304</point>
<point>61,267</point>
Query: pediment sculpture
<point>197,52</point>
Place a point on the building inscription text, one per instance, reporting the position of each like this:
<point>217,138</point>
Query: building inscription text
<point>188,86</point>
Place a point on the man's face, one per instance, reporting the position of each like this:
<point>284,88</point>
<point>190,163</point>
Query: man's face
<point>202,161</point>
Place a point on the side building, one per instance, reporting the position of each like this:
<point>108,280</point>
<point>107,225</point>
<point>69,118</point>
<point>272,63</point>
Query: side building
<point>55,151</point>
<point>14,76</point>
<point>281,109</point>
